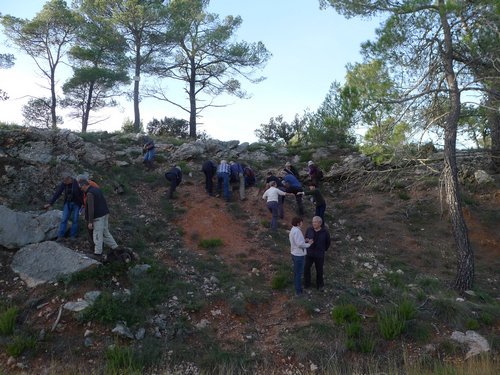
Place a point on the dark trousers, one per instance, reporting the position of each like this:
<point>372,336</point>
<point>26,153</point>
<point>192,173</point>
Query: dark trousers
<point>298,198</point>
<point>320,211</point>
<point>209,184</point>
<point>318,263</point>
<point>173,183</point>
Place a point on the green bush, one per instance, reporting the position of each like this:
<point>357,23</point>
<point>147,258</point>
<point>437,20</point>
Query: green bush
<point>210,242</point>
<point>8,319</point>
<point>377,289</point>
<point>366,344</point>
<point>353,329</point>
<point>406,308</point>
<point>18,343</point>
<point>279,280</point>
<point>391,324</point>
<point>487,319</point>
<point>343,313</point>
<point>472,324</point>
<point>121,361</point>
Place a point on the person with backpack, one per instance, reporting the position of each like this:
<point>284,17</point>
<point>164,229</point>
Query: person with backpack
<point>293,186</point>
<point>175,177</point>
<point>73,201</point>
<point>314,172</point>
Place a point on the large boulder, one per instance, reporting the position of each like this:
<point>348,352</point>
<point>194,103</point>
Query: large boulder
<point>18,229</point>
<point>44,262</point>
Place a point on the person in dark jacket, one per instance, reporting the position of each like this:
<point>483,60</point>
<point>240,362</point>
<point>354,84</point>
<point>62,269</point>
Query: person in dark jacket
<point>237,175</point>
<point>290,169</point>
<point>73,201</point>
<point>293,186</point>
<point>316,252</point>
<point>209,168</point>
<point>318,201</point>
<point>175,177</point>
<point>96,215</point>
<point>313,172</point>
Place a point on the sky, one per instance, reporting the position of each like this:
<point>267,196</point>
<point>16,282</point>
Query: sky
<point>310,49</point>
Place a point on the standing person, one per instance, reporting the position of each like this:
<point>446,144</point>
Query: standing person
<point>96,215</point>
<point>293,186</point>
<point>318,201</point>
<point>73,200</point>
<point>90,232</point>
<point>223,172</point>
<point>290,169</point>
<point>272,195</point>
<point>316,252</point>
<point>298,247</point>
<point>237,172</point>
<point>175,177</point>
<point>313,172</point>
<point>279,185</point>
<point>148,149</point>
<point>209,168</point>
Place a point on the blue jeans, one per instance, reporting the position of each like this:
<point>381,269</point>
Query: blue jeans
<point>70,210</point>
<point>320,211</point>
<point>273,209</point>
<point>149,154</point>
<point>298,270</point>
<point>223,177</point>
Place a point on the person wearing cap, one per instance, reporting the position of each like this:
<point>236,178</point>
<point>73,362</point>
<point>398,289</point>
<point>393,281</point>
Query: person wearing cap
<point>148,149</point>
<point>313,172</point>
<point>175,177</point>
<point>293,186</point>
<point>73,200</point>
<point>223,172</point>
<point>238,176</point>
<point>97,216</point>
<point>290,169</point>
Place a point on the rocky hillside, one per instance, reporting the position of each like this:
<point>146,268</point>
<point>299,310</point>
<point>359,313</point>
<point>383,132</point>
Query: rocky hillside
<point>212,289</point>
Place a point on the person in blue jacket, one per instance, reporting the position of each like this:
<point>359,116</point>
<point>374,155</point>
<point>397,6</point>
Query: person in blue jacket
<point>73,201</point>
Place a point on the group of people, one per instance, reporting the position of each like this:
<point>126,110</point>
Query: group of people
<point>289,184</point>
<point>82,195</point>
<point>227,173</point>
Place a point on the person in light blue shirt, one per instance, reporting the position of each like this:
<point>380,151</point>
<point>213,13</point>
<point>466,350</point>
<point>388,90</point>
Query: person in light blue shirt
<point>223,172</point>
<point>293,186</point>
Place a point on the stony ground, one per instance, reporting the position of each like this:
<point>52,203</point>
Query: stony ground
<point>375,231</point>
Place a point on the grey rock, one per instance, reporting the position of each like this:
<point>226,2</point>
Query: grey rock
<point>141,332</point>
<point>138,270</point>
<point>89,341</point>
<point>76,306</point>
<point>477,343</point>
<point>187,151</point>
<point>43,262</point>
<point>90,297</point>
<point>122,330</point>
<point>482,177</point>
<point>18,229</point>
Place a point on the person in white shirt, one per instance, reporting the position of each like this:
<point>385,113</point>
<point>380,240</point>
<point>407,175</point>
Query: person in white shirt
<point>298,246</point>
<point>272,195</point>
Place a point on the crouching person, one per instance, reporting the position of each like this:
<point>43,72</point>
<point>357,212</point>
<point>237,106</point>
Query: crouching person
<point>96,216</point>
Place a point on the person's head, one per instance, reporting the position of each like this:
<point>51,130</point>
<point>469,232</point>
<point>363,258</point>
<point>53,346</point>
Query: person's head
<point>83,182</point>
<point>139,135</point>
<point>66,178</point>
<point>297,222</point>
<point>317,221</point>
<point>231,162</point>
<point>178,167</point>
<point>287,164</point>
<point>272,183</point>
<point>223,162</point>
<point>310,162</point>
<point>283,173</point>
<point>269,174</point>
<point>312,185</point>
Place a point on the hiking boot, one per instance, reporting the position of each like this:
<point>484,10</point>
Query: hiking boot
<point>99,257</point>
<point>59,239</point>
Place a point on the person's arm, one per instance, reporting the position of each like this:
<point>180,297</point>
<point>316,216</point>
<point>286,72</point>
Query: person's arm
<point>55,196</point>
<point>300,241</point>
<point>90,206</point>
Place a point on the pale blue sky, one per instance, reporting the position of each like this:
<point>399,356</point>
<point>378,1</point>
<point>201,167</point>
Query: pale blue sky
<point>310,49</point>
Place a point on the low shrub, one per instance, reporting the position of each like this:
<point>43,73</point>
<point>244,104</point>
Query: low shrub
<point>391,324</point>
<point>343,313</point>
<point>210,242</point>
<point>8,319</point>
